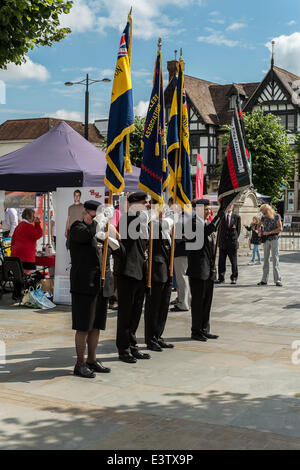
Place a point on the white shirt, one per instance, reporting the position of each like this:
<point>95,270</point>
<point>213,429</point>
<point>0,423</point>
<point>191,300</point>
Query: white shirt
<point>10,221</point>
<point>228,218</point>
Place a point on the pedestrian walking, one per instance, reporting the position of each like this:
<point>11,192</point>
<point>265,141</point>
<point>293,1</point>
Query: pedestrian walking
<point>255,240</point>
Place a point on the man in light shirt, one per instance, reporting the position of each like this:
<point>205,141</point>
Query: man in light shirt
<point>10,222</point>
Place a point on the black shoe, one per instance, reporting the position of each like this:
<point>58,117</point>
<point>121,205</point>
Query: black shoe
<point>198,338</point>
<point>261,283</point>
<point>83,371</point>
<point>165,345</point>
<point>139,355</point>
<point>154,347</point>
<point>127,358</point>
<point>233,281</point>
<point>177,309</point>
<point>210,336</point>
<point>174,302</point>
<point>98,367</point>
<point>220,281</point>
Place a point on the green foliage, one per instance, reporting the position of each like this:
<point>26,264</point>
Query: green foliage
<point>25,24</point>
<point>136,151</point>
<point>273,160</point>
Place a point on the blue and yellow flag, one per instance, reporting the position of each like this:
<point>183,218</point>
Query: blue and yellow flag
<point>178,140</point>
<point>121,117</point>
<point>154,174</point>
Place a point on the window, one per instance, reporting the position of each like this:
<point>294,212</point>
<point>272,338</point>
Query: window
<point>282,120</point>
<point>291,122</point>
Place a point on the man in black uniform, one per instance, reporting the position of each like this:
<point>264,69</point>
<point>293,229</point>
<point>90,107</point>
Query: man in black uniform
<point>89,303</point>
<point>230,230</point>
<point>201,272</point>
<point>157,301</point>
<point>131,271</point>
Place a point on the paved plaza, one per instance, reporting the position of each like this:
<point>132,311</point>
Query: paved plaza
<point>237,392</point>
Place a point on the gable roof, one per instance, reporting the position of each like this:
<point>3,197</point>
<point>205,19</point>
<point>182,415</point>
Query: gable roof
<point>286,79</point>
<point>30,129</point>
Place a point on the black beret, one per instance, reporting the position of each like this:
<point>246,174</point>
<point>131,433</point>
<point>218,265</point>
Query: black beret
<point>137,196</point>
<point>198,202</point>
<point>91,205</point>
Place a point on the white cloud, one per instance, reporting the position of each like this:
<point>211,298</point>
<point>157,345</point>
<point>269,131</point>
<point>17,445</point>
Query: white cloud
<point>81,17</point>
<point>214,13</point>
<point>148,18</point>
<point>141,109</point>
<point>27,71</point>
<point>290,23</point>
<point>107,73</point>
<point>217,38</point>
<point>217,21</point>
<point>141,73</point>
<point>287,52</point>
<point>64,114</point>
<point>236,26</point>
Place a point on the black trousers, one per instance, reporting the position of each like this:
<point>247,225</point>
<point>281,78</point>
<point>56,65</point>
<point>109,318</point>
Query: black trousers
<point>202,295</point>
<point>130,305</point>
<point>156,311</point>
<point>232,254</point>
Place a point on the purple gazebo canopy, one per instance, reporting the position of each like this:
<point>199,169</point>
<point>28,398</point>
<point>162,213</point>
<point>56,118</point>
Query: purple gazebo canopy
<point>60,158</point>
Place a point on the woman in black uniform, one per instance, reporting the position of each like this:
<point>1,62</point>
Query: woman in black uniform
<point>89,303</point>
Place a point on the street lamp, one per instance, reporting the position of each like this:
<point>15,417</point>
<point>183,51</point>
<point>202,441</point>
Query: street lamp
<point>87,81</point>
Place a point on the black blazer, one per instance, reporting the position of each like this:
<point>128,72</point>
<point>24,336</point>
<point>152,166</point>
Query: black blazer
<point>130,260</point>
<point>201,262</point>
<point>161,259</point>
<point>85,264</point>
<point>229,235</point>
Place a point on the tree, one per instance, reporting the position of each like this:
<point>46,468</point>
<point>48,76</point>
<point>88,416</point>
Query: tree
<point>25,24</point>
<point>273,160</point>
<point>136,151</point>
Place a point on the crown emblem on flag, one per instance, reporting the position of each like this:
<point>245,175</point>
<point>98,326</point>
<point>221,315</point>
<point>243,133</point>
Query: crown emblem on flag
<point>123,47</point>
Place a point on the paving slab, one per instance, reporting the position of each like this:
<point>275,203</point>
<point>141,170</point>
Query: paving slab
<point>237,392</point>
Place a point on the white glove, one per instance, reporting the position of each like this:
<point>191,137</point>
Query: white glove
<point>101,222</point>
<point>109,212</point>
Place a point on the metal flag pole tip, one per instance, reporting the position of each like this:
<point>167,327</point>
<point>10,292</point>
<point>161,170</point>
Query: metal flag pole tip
<point>159,43</point>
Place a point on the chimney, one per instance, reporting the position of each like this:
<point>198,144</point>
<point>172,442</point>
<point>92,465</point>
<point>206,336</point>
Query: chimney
<point>172,68</point>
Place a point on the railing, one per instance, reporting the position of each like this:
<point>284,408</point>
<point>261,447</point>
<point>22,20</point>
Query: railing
<point>290,237</point>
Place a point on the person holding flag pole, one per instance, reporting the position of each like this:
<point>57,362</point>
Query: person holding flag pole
<point>153,180</point>
<point>235,179</point>
<point>180,179</point>
<point>130,267</point>
<point>120,125</point>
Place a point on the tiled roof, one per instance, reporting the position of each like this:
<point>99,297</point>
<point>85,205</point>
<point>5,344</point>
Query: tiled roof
<point>199,92</point>
<point>30,129</point>
<point>220,97</point>
<point>287,78</point>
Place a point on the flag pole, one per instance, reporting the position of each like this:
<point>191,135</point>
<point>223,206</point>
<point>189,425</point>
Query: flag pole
<point>173,228</point>
<point>175,187</point>
<point>149,281</point>
<point>105,247</point>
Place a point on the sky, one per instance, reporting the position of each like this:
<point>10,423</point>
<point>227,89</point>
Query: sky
<point>223,41</point>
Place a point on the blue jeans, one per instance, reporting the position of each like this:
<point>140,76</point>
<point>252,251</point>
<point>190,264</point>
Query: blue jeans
<point>256,252</point>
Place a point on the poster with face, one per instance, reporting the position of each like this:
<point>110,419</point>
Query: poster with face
<point>68,208</point>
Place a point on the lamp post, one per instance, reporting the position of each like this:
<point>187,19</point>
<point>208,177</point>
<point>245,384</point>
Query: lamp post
<point>87,81</point>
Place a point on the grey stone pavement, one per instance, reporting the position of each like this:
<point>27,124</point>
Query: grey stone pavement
<point>237,392</point>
